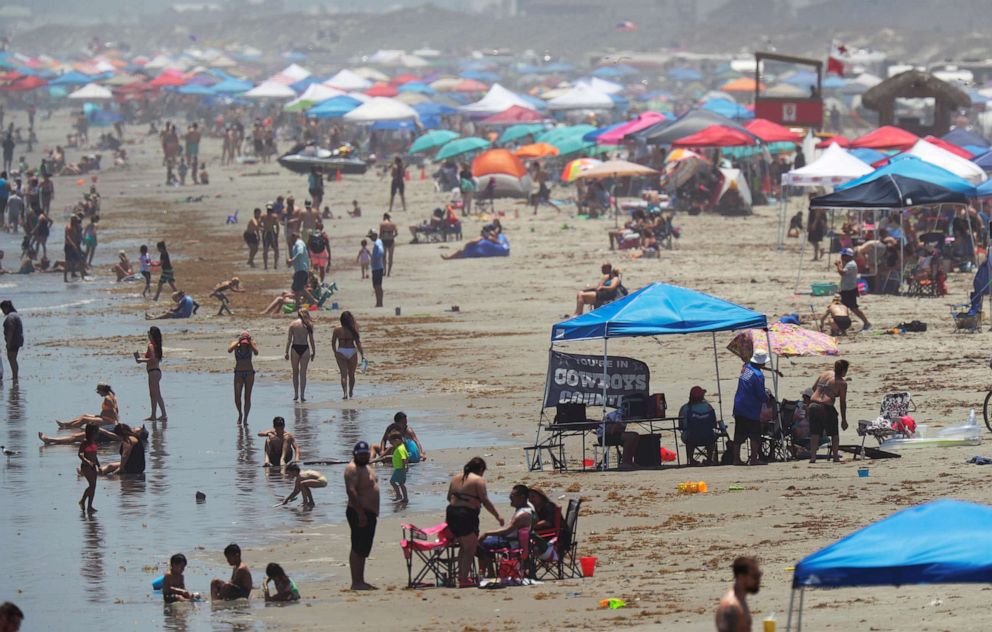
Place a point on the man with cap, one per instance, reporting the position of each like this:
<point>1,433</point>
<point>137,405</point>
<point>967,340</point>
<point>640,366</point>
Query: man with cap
<point>362,487</point>
<point>699,426</point>
<point>377,265</point>
<point>748,400</point>
<point>848,271</point>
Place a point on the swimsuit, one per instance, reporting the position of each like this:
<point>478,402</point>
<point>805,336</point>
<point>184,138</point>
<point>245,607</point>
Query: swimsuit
<point>462,521</point>
<point>243,352</point>
<point>301,349</point>
<point>347,352</point>
<point>136,460</point>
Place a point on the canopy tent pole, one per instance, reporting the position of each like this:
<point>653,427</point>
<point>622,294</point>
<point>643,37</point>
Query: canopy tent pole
<point>788,620</point>
<point>783,211</point>
<point>802,256</point>
<point>768,341</point>
<point>799,619</point>
<point>719,392</point>
<point>547,384</point>
<point>606,377</point>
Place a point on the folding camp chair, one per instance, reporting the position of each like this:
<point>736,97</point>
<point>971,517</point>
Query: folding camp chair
<point>513,565</point>
<point>568,561</point>
<point>893,407</point>
<point>437,551</point>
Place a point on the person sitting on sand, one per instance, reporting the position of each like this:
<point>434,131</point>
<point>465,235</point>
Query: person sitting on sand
<point>241,582</point>
<point>401,425</point>
<point>132,452</point>
<point>306,480</point>
<point>506,536</point>
<point>122,268</point>
<point>286,589</point>
<point>490,232</point>
<point>174,584</point>
<point>108,411</point>
<point>185,307</point>
<point>281,447</point>
<point>233,285</point>
<point>356,210</point>
<point>103,436</point>
<point>839,315</point>
<point>603,293</point>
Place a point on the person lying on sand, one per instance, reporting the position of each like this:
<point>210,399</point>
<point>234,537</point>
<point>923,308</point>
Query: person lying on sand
<point>490,232</point>
<point>76,438</point>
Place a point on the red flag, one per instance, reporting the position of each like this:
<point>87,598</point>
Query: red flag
<point>837,59</point>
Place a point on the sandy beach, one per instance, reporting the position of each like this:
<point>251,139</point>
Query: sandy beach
<point>668,555</point>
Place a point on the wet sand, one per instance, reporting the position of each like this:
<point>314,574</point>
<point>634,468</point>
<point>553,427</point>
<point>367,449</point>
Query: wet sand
<point>483,367</point>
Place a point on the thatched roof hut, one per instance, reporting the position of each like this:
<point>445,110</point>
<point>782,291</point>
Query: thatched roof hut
<point>914,84</point>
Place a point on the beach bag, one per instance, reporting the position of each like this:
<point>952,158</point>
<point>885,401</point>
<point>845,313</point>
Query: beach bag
<point>413,453</point>
<point>913,326</point>
<point>317,243</point>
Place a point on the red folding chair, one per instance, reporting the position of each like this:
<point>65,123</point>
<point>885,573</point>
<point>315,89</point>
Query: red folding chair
<point>514,564</point>
<point>436,550</point>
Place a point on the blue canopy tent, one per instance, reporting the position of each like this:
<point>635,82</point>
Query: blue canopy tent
<point>913,168</point>
<point>984,161</point>
<point>963,138</point>
<point>942,542</point>
<point>334,107</point>
<point>657,309</point>
<point>868,155</point>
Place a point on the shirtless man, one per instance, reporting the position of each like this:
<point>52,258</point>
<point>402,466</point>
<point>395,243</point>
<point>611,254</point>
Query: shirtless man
<point>829,386</point>
<point>240,585</point>
<point>387,233</point>
<point>362,486</point>
<point>270,237</point>
<point>281,447</point>
<point>234,285</point>
<point>253,235</point>
<point>839,315</point>
<point>733,614</point>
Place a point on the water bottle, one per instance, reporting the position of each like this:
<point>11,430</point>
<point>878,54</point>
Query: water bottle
<point>364,366</point>
<point>971,417</point>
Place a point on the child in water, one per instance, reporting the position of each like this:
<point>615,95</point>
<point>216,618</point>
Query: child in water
<point>305,481</point>
<point>286,589</point>
<point>174,584</point>
<point>365,258</point>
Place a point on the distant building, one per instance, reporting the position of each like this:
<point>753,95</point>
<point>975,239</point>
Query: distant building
<point>917,102</point>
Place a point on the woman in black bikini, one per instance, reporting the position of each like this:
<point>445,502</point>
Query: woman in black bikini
<point>466,497</point>
<point>244,372</point>
<point>300,338</point>
<point>347,345</point>
<point>152,361</point>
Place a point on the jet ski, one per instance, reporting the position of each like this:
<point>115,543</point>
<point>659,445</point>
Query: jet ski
<point>301,158</point>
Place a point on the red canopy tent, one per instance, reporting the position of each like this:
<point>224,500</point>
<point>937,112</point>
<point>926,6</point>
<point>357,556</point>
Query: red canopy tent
<point>168,78</point>
<point>715,136</point>
<point>382,90</point>
<point>887,137</point>
<point>513,114</point>
<point>951,147</point>
<point>771,132</point>
<point>24,83</point>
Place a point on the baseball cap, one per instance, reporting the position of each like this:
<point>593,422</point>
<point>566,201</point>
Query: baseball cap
<point>846,252</point>
<point>696,392</point>
<point>361,448</point>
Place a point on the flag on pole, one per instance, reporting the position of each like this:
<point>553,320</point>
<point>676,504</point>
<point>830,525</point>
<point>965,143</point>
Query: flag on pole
<point>837,59</point>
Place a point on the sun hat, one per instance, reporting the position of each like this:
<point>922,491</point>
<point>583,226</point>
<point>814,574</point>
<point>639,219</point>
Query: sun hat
<point>759,357</point>
<point>846,252</point>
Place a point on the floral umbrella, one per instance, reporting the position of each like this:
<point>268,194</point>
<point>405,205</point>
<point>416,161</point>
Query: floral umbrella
<point>787,341</point>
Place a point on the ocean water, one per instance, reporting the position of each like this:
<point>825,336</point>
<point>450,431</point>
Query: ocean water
<point>63,566</point>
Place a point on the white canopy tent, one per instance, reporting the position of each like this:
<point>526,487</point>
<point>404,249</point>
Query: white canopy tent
<point>270,90</point>
<point>928,152</point>
<point>581,97</point>
<point>290,74</point>
<point>601,85</point>
<point>92,92</point>
<point>834,166</point>
<point>348,81</point>
<point>367,72</point>
<point>381,109</point>
<point>497,100</point>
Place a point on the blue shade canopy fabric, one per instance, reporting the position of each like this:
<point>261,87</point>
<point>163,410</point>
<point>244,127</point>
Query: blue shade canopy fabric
<point>910,167</point>
<point>655,310</point>
<point>335,107</point>
<point>870,156</point>
<point>985,189</point>
<point>984,161</point>
<point>730,109</point>
<point>71,78</point>
<point>963,138</point>
<point>943,542</point>
<point>891,191</point>
<point>232,86</point>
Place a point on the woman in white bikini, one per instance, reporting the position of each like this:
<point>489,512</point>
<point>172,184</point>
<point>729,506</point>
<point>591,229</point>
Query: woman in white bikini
<point>304,349</point>
<point>347,346</point>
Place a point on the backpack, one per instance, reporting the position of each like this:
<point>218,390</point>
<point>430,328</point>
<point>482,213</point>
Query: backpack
<point>317,242</point>
<point>622,291</point>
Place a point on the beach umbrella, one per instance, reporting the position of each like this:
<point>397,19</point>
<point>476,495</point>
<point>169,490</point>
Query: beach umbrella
<point>788,341</point>
<point>616,169</point>
<point>334,108</point>
<point>516,132</point>
<point>270,90</point>
<point>202,91</point>
<point>536,150</point>
<point>381,109</point>
<point>513,114</point>
<point>577,166</point>
<point>469,85</point>
<point>348,80</point>
<point>432,139</point>
<point>445,84</point>
<point>574,144</point>
<point>744,84</point>
<point>92,92</point>
<point>24,84</point>
<point>382,90</point>
<point>232,86</point>
<point>461,146</point>
<point>417,87</point>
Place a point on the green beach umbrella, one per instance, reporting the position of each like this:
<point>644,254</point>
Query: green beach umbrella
<point>561,133</point>
<point>432,139</point>
<point>572,145</point>
<point>516,132</point>
<point>461,146</point>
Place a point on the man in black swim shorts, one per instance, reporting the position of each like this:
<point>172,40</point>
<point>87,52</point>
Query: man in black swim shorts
<point>362,513</point>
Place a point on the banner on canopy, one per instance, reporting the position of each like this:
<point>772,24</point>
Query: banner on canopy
<point>578,379</point>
